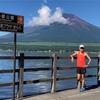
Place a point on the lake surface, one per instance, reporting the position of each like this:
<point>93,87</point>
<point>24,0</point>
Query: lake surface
<point>6,92</point>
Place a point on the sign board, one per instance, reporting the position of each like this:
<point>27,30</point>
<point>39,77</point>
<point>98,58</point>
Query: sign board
<point>11,23</point>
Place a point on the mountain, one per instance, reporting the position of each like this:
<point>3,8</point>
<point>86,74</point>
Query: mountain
<point>77,30</point>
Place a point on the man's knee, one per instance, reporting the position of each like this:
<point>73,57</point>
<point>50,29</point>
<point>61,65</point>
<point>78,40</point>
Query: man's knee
<point>83,76</point>
<point>78,77</point>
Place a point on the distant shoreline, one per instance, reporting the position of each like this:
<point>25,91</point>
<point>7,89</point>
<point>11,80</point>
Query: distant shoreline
<point>48,46</point>
<point>45,51</point>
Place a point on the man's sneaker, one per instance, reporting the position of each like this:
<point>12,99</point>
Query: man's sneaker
<point>82,89</point>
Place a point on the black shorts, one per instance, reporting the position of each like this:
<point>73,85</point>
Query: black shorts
<point>81,70</point>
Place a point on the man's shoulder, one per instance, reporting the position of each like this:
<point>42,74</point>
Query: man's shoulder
<point>85,53</point>
<point>76,51</point>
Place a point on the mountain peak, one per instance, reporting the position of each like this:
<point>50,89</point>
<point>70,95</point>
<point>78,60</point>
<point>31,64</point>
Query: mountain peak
<point>68,15</point>
<point>74,20</point>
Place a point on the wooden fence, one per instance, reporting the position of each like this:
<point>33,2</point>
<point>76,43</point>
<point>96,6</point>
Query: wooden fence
<point>54,69</point>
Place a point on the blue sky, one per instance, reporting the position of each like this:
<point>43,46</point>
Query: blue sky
<point>88,10</point>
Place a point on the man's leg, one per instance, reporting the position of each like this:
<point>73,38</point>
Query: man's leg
<point>83,80</point>
<point>78,81</point>
<point>83,71</point>
<point>78,77</point>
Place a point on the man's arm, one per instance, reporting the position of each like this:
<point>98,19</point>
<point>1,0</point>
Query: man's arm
<point>72,56</point>
<point>88,59</point>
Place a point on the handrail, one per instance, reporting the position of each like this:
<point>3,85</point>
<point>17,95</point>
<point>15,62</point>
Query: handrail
<point>42,69</point>
<point>37,57</point>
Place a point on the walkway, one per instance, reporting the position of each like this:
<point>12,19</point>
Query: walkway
<point>74,94</point>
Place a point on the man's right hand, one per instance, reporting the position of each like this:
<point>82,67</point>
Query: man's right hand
<point>72,56</point>
<point>72,59</point>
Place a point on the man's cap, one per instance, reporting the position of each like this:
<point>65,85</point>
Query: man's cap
<point>81,46</point>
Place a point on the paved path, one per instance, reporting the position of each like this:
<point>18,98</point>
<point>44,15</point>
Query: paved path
<point>92,94</point>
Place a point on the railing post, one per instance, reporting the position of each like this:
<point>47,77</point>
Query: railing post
<point>18,77</point>
<point>53,90</point>
<point>21,75</point>
<point>98,71</point>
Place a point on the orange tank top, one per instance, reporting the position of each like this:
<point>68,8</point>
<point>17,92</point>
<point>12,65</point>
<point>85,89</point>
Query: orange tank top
<point>81,59</point>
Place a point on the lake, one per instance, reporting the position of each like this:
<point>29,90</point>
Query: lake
<point>6,92</point>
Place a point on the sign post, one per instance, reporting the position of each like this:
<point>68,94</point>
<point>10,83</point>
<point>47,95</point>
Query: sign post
<point>14,74</point>
<point>12,23</point>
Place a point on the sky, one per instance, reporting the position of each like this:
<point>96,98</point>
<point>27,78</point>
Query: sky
<point>45,12</point>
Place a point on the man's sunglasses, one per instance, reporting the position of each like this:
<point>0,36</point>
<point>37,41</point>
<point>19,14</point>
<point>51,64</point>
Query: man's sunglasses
<point>81,48</point>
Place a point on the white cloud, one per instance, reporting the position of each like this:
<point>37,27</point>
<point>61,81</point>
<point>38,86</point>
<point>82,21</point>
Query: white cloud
<point>46,18</point>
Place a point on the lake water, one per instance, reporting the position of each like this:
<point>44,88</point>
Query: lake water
<point>6,92</point>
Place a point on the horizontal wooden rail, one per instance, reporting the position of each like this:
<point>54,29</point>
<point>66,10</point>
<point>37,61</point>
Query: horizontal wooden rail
<point>37,69</point>
<point>45,80</point>
<point>67,68</point>
<point>25,57</point>
<point>75,77</point>
<point>37,81</point>
<point>8,71</point>
<point>8,57</point>
<point>8,84</point>
<point>42,69</point>
<point>65,57</point>
<point>37,57</point>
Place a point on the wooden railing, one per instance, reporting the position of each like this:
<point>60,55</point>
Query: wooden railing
<point>54,69</point>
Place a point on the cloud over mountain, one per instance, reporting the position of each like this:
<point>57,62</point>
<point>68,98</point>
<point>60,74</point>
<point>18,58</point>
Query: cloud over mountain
<point>45,18</point>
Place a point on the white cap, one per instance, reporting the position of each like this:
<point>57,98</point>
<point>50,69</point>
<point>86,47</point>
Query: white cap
<point>81,46</point>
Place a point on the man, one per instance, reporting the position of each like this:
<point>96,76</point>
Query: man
<point>81,65</point>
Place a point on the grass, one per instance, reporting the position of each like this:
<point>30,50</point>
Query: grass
<point>56,44</point>
<point>49,46</point>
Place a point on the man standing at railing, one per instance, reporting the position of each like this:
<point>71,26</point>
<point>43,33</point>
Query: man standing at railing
<point>81,65</point>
